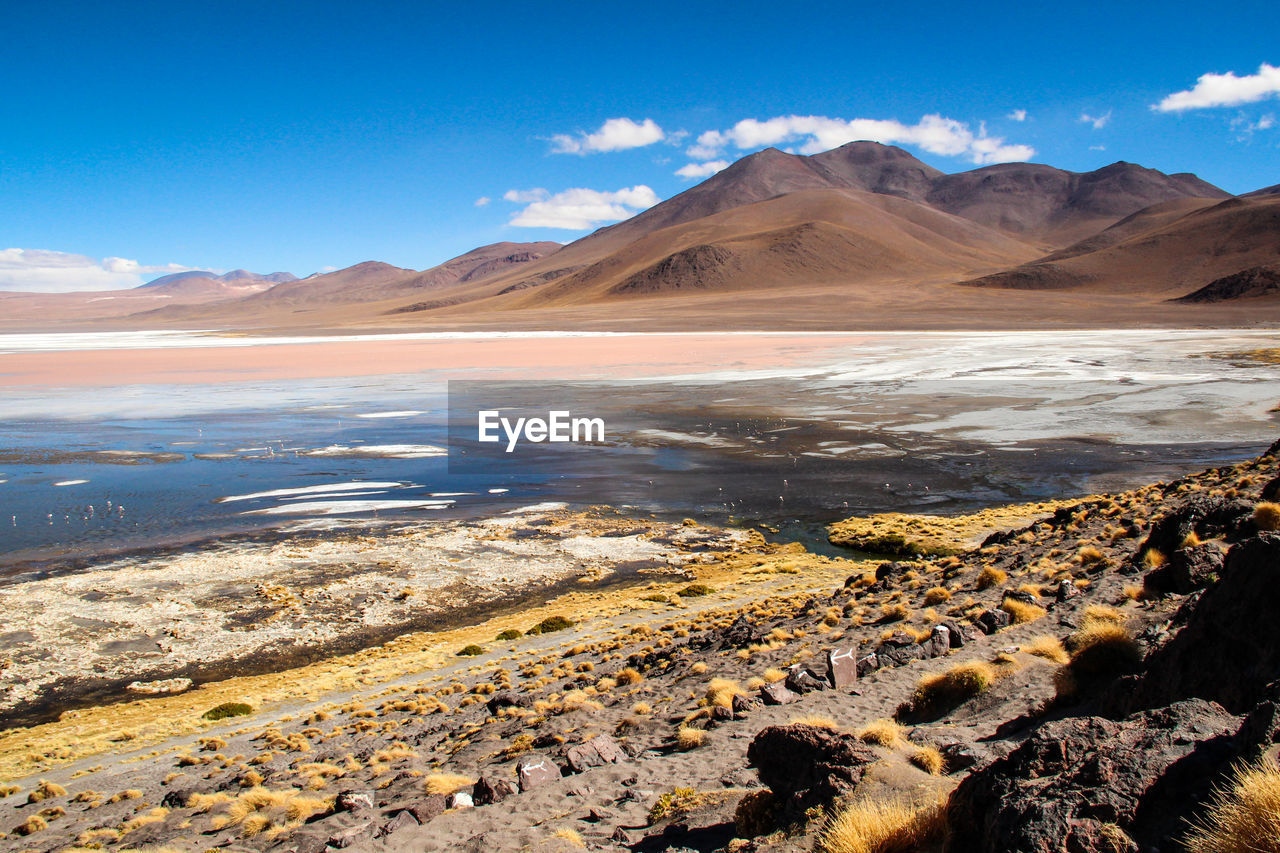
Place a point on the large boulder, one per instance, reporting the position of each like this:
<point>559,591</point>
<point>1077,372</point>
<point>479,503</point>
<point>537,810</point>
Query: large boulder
<point>1065,784</point>
<point>808,765</point>
<point>1229,650</point>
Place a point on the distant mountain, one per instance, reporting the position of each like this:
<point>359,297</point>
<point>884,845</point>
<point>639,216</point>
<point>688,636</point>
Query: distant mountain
<point>237,277</point>
<point>1168,250</point>
<point>1058,207</point>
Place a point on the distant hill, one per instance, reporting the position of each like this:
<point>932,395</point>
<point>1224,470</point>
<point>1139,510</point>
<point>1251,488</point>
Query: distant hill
<point>1168,250</point>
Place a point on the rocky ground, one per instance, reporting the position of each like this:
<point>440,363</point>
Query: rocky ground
<point>1080,683</point>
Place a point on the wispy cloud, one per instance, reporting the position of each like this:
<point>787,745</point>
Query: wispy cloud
<point>702,170</point>
<point>933,133</point>
<point>1224,90</point>
<point>579,208</point>
<point>483,201</point>
<point>616,134</point>
<point>44,271</point>
<point>1018,115</point>
<point>1098,122</point>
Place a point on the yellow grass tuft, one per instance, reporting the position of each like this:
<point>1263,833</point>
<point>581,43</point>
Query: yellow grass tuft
<point>944,690</point>
<point>1243,817</point>
<point>1267,516</point>
<point>722,690</point>
<point>774,674</point>
<point>1048,647</point>
<point>991,576</point>
<point>446,783</point>
<point>569,835</point>
<point>937,595</point>
<point>882,732</point>
<point>1021,612</point>
<point>885,826</point>
<point>46,790</point>
<point>929,759</point>
<point>629,675</point>
<point>689,738</point>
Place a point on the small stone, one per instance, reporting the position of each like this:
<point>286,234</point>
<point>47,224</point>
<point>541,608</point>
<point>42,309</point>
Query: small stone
<point>460,800</point>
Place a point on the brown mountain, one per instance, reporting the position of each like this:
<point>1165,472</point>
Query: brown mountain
<point>1167,251</point>
<point>1056,207</point>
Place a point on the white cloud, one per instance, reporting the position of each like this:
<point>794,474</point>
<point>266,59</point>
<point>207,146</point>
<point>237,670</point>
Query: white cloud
<point>1097,148</point>
<point>525,196</point>
<point>933,133</point>
<point>579,208</point>
<point>1098,122</point>
<point>482,201</point>
<point>616,134</point>
<point>1224,90</point>
<point>702,170</point>
<point>43,271</point>
<point>1018,115</point>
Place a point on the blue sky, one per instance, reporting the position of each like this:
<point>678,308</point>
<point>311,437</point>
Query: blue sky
<point>143,137</point>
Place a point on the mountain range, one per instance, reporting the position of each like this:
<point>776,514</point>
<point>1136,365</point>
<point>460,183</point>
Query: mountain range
<point>862,236</point>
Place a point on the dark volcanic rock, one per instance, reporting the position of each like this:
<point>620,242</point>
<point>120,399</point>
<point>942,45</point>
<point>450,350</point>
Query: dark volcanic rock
<point>778,694</point>
<point>806,765</point>
<point>740,634</point>
<point>1207,517</point>
<point>488,790</point>
<point>1229,651</point>
<point>803,681</point>
<point>991,621</point>
<point>508,700</point>
<point>899,649</point>
<point>1057,790</point>
<point>1188,569</point>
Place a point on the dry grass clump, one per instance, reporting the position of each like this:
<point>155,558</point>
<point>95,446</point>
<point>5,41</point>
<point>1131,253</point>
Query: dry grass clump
<point>1048,647</point>
<point>688,738</point>
<point>1100,648</point>
<point>722,690</point>
<point>929,759</point>
<point>629,675</point>
<point>1267,516</point>
<point>885,826</point>
<point>1021,612</point>
<point>881,732</point>
<point>569,835</point>
<point>773,674</point>
<point>9,790</point>
<point>895,613</point>
<point>46,790</point>
<point>937,595</point>
<point>1088,555</point>
<point>31,826</point>
<point>941,691</point>
<point>991,576</point>
<point>1243,817</point>
<point>675,803</point>
<point>260,810</point>
<point>446,783</point>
